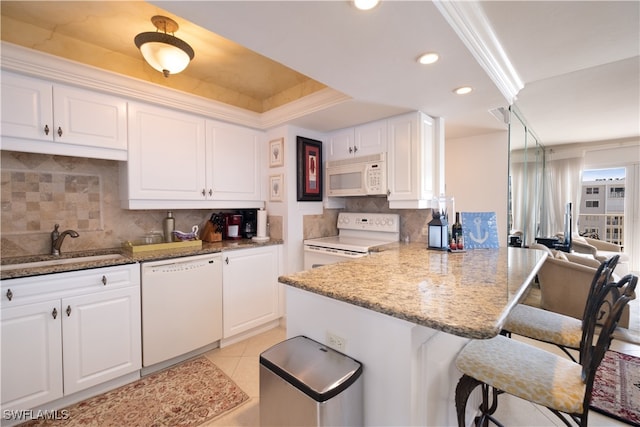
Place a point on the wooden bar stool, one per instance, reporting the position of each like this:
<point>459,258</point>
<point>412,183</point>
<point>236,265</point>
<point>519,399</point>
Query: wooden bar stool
<point>503,365</point>
<point>554,328</point>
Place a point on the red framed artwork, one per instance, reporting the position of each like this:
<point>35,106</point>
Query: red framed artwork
<point>309,167</point>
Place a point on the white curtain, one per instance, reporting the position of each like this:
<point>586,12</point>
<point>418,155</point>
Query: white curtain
<point>525,184</point>
<point>563,183</point>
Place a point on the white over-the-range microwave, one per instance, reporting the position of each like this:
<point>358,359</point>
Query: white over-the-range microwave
<point>357,176</point>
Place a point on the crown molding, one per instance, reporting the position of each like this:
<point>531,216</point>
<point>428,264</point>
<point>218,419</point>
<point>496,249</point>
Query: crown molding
<point>60,70</point>
<point>312,103</point>
<point>474,29</point>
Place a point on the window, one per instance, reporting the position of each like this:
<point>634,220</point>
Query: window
<point>616,192</point>
<point>593,203</point>
<point>593,190</point>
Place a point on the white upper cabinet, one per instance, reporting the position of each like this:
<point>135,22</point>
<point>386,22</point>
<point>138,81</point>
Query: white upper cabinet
<point>167,158</point>
<point>183,161</point>
<point>415,161</point>
<point>235,158</point>
<point>363,140</point>
<point>41,117</point>
<point>371,138</point>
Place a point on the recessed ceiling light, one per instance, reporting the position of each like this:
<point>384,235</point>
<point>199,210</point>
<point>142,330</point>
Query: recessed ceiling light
<point>463,90</point>
<point>428,58</point>
<point>365,4</point>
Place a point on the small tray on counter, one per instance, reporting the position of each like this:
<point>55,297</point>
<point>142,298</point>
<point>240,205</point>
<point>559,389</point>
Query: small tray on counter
<point>134,247</point>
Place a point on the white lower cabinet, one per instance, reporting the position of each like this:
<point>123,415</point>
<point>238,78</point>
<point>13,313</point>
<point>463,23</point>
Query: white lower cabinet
<point>101,337</point>
<point>31,354</point>
<point>66,332</point>
<point>250,295</point>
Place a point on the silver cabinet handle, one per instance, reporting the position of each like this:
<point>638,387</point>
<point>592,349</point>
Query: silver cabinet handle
<point>104,280</point>
<point>54,313</point>
<point>226,260</point>
<point>350,150</point>
<point>211,192</point>
<point>355,149</point>
<point>46,129</point>
<point>204,192</point>
<point>59,131</point>
<point>68,310</point>
<point>9,294</point>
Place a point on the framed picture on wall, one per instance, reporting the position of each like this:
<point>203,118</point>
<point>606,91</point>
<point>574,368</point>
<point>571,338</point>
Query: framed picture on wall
<point>276,153</point>
<point>275,188</point>
<point>309,169</point>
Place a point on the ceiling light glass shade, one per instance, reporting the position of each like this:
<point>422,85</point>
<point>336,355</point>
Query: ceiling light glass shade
<point>164,52</point>
<point>365,4</point>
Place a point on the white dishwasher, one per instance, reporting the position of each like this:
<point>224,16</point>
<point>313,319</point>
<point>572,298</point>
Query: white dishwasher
<point>181,306</point>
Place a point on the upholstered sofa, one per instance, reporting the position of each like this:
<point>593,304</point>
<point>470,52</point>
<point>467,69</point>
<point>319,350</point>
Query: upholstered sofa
<point>600,250</point>
<point>565,280</point>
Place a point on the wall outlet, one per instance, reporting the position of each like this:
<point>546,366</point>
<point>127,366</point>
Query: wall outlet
<point>336,342</point>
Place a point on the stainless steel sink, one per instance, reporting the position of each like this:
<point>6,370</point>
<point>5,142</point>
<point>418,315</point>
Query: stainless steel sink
<point>61,261</point>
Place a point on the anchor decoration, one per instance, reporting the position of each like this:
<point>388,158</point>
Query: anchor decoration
<point>479,230</point>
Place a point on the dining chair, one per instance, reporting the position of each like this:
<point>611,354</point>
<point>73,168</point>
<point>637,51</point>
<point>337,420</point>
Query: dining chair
<point>503,365</point>
<point>563,331</point>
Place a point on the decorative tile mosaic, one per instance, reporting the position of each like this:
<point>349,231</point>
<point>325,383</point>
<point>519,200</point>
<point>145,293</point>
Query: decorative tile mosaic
<point>32,201</point>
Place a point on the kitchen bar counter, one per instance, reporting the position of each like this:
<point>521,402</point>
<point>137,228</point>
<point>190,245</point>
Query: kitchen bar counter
<point>467,294</point>
<point>404,313</point>
<point>127,257</point>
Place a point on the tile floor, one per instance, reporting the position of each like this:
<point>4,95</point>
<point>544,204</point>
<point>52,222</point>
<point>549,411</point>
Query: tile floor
<point>240,361</point>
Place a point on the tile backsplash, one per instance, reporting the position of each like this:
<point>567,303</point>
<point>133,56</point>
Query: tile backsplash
<point>32,199</point>
<point>38,191</point>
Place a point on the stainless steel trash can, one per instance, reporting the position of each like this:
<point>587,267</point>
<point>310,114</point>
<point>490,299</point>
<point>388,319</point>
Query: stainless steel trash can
<point>304,383</point>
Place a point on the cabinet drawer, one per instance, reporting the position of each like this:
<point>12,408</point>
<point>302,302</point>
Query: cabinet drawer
<point>58,285</point>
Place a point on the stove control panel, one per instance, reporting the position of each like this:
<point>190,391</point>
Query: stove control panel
<point>384,222</point>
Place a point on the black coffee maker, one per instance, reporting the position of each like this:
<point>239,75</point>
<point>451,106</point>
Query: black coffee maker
<point>250,223</point>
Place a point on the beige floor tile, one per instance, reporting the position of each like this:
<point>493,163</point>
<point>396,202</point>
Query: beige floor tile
<point>247,415</point>
<point>228,364</point>
<point>259,343</point>
<point>247,375</point>
<point>236,349</point>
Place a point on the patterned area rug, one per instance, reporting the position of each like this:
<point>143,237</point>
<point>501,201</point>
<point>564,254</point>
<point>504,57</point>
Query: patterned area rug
<point>188,394</point>
<point>616,389</point>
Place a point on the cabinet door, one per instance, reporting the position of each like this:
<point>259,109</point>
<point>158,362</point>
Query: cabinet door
<point>410,164</point>
<point>27,107</point>
<point>341,144</point>
<point>371,138</point>
<point>235,160</point>
<point>250,289</point>
<point>31,355</point>
<point>166,155</point>
<point>88,118</point>
<point>101,337</point>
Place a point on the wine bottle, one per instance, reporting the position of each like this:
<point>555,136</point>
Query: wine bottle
<point>456,229</point>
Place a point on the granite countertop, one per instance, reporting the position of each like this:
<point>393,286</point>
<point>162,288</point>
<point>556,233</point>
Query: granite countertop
<point>468,294</point>
<point>127,257</point>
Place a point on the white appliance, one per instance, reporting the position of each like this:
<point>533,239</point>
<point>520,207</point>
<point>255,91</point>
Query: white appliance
<point>181,306</point>
<point>358,176</point>
<point>357,234</point>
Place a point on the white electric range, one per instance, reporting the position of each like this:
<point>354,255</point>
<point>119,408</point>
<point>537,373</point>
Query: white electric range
<point>357,234</point>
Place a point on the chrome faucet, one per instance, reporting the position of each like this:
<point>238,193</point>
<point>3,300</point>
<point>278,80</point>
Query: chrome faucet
<point>57,238</point>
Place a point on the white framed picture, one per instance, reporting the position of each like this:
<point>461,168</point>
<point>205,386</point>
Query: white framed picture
<point>276,187</point>
<point>276,153</point>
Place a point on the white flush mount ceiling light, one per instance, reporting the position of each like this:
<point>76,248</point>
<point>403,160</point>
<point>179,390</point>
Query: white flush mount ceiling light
<point>365,4</point>
<point>463,90</point>
<point>428,58</point>
<point>164,52</point>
